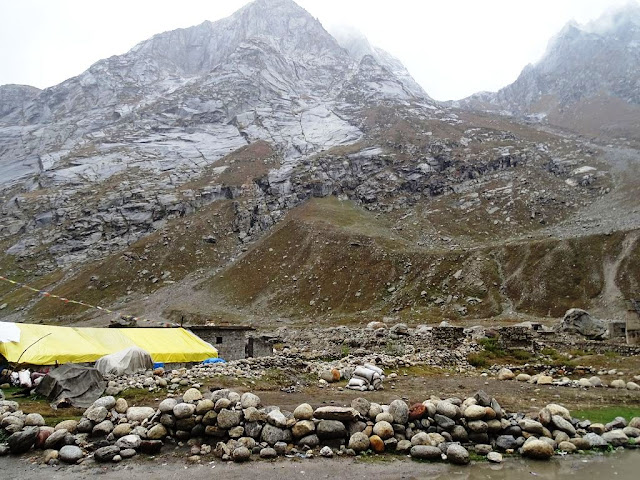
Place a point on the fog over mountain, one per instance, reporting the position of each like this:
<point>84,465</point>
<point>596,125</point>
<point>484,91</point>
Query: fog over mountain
<point>587,81</point>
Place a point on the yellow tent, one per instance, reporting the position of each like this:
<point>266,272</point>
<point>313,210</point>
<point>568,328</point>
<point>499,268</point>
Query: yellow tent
<point>47,345</point>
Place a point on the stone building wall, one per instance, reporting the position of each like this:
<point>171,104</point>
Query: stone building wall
<point>234,343</point>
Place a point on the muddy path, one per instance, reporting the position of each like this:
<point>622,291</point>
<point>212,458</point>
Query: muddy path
<point>621,465</point>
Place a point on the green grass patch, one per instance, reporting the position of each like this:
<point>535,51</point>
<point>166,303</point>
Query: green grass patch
<point>493,354</point>
<point>475,457</point>
<point>606,414</point>
<point>139,396</point>
<point>39,404</point>
<point>416,371</point>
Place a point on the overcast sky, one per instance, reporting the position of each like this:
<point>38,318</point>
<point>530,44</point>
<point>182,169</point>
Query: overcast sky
<point>453,48</point>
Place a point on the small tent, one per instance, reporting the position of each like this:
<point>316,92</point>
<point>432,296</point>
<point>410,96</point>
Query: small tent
<point>130,360</point>
<point>78,386</point>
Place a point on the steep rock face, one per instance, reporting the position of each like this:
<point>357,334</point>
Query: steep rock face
<point>588,80</point>
<point>13,97</point>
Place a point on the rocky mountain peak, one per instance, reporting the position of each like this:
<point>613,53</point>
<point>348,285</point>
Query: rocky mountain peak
<point>587,80</point>
<point>268,78</point>
<point>359,47</point>
<point>198,49</point>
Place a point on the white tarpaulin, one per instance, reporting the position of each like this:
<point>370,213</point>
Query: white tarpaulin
<point>130,360</point>
<point>9,332</point>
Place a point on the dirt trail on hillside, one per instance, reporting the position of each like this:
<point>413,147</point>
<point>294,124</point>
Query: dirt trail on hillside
<point>612,298</point>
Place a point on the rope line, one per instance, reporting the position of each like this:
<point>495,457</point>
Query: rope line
<point>44,293</point>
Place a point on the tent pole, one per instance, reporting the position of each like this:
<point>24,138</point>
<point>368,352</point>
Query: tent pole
<point>18,361</point>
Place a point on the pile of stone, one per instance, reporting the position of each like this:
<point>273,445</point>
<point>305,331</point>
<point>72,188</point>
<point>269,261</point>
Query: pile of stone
<point>591,382</point>
<point>237,427</point>
<point>367,377</point>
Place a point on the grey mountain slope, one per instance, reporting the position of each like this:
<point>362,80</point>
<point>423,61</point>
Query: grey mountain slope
<point>587,71</point>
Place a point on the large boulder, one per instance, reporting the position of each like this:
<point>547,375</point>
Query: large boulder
<point>56,439</point>
<point>107,402</point>
<point>303,428</point>
<point>359,442</point>
<point>331,429</point>
<point>383,429</point>
<point>21,442</point>
<point>139,414</point>
<point>276,418</point>
<point>70,454</point>
<point>192,395</point>
<point>616,438</point>
<point>129,442</point>
<point>457,454</point>
<point>537,449</point>
<point>34,420</point>
<point>229,418</point>
<point>273,435</point>
<point>564,425</point>
<point>426,452</point>
<point>342,414</point>
<point>579,322</point>
<point>400,411</point>
<point>106,454</point>
<point>303,412</point>
<point>249,400</point>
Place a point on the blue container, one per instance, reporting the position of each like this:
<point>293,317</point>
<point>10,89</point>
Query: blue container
<point>158,365</point>
<point>209,361</point>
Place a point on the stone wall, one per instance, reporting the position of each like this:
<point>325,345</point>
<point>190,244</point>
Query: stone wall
<point>259,347</point>
<point>516,337</point>
<point>633,323</point>
<point>230,426</point>
<point>234,343</point>
<point>449,337</point>
<point>230,343</point>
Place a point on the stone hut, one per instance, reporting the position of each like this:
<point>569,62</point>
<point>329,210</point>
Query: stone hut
<point>234,342</point>
<point>633,322</point>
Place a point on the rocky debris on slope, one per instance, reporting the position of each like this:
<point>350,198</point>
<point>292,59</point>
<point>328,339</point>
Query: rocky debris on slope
<point>74,230</point>
<point>218,425</point>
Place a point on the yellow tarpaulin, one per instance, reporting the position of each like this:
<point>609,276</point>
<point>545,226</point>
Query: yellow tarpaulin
<point>80,345</point>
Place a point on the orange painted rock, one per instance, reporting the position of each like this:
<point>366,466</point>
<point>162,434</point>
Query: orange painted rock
<point>417,411</point>
<point>376,444</point>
